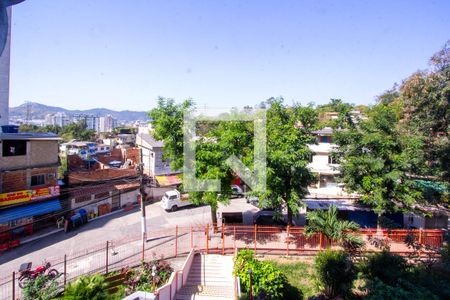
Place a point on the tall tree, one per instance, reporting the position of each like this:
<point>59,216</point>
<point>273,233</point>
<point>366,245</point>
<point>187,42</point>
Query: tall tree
<point>216,141</point>
<point>289,133</point>
<point>423,101</point>
<point>376,160</point>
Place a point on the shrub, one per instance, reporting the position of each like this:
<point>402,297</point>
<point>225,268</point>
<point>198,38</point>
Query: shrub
<point>142,279</point>
<point>334,272</point>
<point>402,290</point>
<point>268,282</point>
<point>92,287</point>
<point>386,266</point>
<point>42,287</point>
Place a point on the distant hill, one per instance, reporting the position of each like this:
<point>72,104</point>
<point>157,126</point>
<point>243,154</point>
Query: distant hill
<point>38,111</point>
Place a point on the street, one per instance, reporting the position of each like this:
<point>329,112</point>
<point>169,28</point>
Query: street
<point>116,227</point>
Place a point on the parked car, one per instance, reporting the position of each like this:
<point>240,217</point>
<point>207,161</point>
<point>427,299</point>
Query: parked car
<point>236,191</point>
<point>253,200</point>
<point>266,217</point>
<point>172,200</point>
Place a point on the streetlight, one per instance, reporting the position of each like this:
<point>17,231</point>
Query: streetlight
<point>250,292</point>
<point>153,276</point>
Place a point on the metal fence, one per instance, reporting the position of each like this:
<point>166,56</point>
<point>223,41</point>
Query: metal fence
<point>114,255</point>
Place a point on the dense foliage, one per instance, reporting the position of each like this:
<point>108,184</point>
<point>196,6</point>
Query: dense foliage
<point>141,279</point>
<point>389,276</point>
<point>287,152</point>
<point>335,273</point>
<point>377,159</point>
<point>92,287</point>
<point>288,176</point>
<point>43,287</point>
<point>268,282</point>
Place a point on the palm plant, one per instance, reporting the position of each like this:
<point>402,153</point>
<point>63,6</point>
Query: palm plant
<point>338,231</point>
<point>93,287</point>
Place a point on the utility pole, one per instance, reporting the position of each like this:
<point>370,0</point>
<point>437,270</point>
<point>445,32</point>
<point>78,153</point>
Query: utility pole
<point>140,170</point>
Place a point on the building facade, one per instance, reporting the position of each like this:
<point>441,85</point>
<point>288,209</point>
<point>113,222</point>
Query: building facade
<point>152,155</point>
<point>107,124</point>
<point>29,187</point>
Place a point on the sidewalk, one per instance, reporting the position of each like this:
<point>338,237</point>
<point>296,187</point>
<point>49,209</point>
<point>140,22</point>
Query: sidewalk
<point>49,231</point>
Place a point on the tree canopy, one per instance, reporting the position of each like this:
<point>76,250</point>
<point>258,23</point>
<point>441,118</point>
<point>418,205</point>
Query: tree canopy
<point>376,160</point>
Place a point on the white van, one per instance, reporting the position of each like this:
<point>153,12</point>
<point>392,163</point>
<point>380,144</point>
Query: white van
<point>172,200</point>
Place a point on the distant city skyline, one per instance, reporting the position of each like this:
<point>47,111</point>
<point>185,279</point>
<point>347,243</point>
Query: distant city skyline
<point>95,54</point>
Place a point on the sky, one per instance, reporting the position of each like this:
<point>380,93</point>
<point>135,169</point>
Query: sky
<point>221,53</point>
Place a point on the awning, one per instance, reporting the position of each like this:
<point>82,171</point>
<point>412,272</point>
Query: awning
<point>29,210</point>
<point>168,180</point>
<point>340,204</point>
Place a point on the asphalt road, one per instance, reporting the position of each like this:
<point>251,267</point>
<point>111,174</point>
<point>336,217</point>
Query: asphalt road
<point>115,227</point>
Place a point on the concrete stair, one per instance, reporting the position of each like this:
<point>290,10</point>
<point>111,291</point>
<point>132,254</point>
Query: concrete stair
<point>210,277</point>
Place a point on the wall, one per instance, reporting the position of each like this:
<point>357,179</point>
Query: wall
<point>90,207</point>
<point>128,197</point>
<point>39,153</point>
<point>11,181</point>
<point>320,161</point>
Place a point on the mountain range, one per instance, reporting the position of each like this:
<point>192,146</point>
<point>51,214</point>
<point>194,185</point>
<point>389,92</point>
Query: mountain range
<point>38,111</point>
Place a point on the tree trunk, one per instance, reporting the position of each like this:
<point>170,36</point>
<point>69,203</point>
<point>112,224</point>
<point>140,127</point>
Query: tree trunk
<point>214,217</point>
<point>289,215</point>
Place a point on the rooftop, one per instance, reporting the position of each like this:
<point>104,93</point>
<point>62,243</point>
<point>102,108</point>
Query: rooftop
<point>29,136</point>
<point>324,131</point>
<point>148,139</point>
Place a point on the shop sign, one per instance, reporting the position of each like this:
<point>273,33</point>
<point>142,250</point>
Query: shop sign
<point>28,195</point>
<point>42,193</point>
<point>15,197</point>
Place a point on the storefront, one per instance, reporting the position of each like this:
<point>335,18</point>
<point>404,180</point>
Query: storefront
<point>23,220</point>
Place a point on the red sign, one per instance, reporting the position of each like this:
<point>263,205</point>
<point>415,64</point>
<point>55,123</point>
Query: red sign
<point>49,191</point>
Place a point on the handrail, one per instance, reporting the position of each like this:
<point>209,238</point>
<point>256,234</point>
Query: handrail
<point>174,277</point>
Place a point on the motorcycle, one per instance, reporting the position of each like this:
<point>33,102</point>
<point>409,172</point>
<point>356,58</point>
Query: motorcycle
<point>27,274</point>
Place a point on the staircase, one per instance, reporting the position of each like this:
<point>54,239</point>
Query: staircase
<point>210,277</point>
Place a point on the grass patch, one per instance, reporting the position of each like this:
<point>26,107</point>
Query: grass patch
<point>299,275</point>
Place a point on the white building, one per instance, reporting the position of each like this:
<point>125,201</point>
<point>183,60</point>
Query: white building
<point>91,121</point>
<point>107,124</point>
<point>58,119</point>
<point>152,155</point>
<point>322,164</point>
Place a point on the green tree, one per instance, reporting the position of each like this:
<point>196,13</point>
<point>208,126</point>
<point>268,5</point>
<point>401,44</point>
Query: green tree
<point>327,223</point>
<point>343,109</point>
<point>334,273</point>
<point>423,102</point>
<point>288,175</point>
<point>216,142</point>
<point>377,159</point>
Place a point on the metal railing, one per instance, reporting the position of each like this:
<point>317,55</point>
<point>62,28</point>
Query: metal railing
<point>115,255</point>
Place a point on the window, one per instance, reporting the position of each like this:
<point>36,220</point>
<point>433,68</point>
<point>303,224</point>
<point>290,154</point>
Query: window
<point>14,147</point>
<point>37,180</point>
<point>103,195</point>
<point>325,139</point>
<point>82,198</point>
<point>330,159</point>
